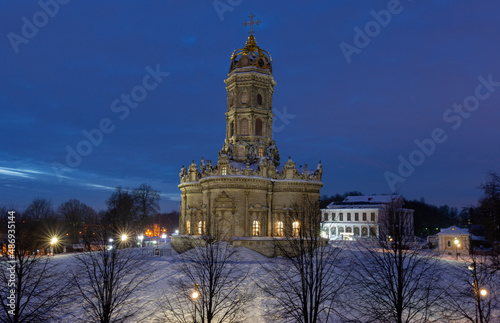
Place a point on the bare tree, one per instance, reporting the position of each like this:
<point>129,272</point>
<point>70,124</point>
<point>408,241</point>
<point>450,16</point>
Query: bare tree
<point>74,214</point>
<point>109,278</point>
<point>489,206</point>
<point>472,292</point>
<point>211,268</point>
<point>146,201</point>
<point>305,284</point>
<point>32,287</point>
<point>40,209</point>
<point>122,211</point>
<point>394,278</point>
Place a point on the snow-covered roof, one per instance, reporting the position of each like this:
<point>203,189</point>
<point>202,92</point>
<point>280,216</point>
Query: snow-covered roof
<point>376,199</point>
<point>367,201</point>
<point>454,230</point>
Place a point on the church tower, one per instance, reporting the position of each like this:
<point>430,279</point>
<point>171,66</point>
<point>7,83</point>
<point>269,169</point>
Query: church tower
<point>247,194</point>
<point>249,118</point>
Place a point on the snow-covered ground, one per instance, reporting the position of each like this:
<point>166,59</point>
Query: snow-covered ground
<point>159,284</point>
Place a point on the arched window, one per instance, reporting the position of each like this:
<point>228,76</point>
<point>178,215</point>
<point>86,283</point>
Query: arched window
<point>259,99</point>
<point>224,170</point>
<point>279,229</point>
<point>200,227</point>
<point>333,232</point>
<point>258,127</point>
<point>356,231</point>
<point>188,227</point>
<point>364,231</point>
<point>348,230</point>
<point>244,127</point>
<point>256,228</point>
<point>295,228</point>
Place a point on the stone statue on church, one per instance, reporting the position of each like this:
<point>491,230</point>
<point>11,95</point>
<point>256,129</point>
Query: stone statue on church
<point>182,172</point>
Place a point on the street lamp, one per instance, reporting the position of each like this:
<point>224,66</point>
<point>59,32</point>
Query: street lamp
<point>457,245</point>
<point>53,241</point>
<point>195,296</point>
<point>124,237</point>
<point>478,293</point>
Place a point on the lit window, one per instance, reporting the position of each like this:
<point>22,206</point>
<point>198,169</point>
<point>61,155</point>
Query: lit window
<point>224,170</point>
<point>295,228</point>
<point>258,127</point>
<point>244,127</point>
<point>200,227</point>
<point>279,228</point>
<point>188,228</point>
<point>256,228</point>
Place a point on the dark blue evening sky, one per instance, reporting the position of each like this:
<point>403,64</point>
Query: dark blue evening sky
<point>356,102</point>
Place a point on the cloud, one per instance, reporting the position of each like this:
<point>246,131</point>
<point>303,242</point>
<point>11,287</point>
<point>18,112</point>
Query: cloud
<point>15,172</point>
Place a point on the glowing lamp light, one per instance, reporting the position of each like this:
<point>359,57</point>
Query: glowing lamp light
<point>124,237</point>
<point>110,240</point>
<point>163,236</point>
<point>195,294</point>
<point>53,241</point>
<point>483,292</point>
<point>140,237</point>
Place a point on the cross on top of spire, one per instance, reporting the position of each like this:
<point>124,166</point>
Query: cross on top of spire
<point>251,23</point>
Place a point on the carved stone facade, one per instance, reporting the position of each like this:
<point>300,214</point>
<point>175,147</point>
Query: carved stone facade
<point>247,193</point>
